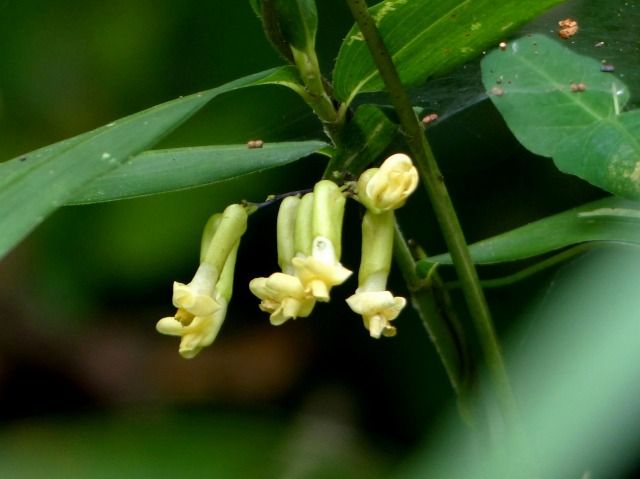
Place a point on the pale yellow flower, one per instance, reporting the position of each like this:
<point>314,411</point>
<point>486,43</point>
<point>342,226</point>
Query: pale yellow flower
<point>283,296</point>
<point>199,333</point>
<point>378,309</point>
<point>321,271</point>
<point>202,305</point>
<point>196,298</point>
<point>388,187</point>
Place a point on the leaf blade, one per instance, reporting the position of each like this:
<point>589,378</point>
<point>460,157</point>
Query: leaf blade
<point>365,137</point>
<point>532,88</point>
<point>32,189</point>
<point>428,38</point>
<point>161,171</point>
<point>609,219</point>
<point>605,154</point>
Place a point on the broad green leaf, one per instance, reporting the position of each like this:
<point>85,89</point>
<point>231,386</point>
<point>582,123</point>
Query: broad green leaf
<point>531,85</point>
<point>610,219</point>
<point>606,154</point>
<point>584,131</point>
<point>36,184</point>
<point>159,171</point>
<point>427,38</point>
<point>365,137</point>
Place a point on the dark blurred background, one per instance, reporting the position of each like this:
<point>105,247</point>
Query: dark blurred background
<point>87,386</point>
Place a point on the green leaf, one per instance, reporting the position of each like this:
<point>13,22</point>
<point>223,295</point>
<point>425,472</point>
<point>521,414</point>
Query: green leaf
<point>531,85</point>
<point>298,21</point>
<point>610,219</point>
<point>288,76</point>
<point>255,6</point>
<point>606,154</point>
<point>583,131</point>
<point>160,171</point>
<point>36,184</point>
<point>364,138</point>
<point>427,38</point>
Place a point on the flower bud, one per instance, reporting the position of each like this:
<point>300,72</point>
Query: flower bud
<point>328,213</point>
<point>304,230</point>
<point>388,187</point>
<point>286,227</point>
<point>318,242</point>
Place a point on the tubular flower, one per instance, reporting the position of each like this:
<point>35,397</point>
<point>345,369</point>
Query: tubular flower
<point>377,308</point>
<point>200,332</point>
<point>196,298</point>
<point>388,187</point>
<point>309,234</point>
<point>317,261</point>
<point>283,296</point>
<point>202,304</point>
<point>321,271</point>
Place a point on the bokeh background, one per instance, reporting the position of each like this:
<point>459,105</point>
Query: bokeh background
<point>87,386</point>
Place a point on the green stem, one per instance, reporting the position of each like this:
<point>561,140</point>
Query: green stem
<point>445,213</point>
<point>317,91</point>
<point>441,323</point>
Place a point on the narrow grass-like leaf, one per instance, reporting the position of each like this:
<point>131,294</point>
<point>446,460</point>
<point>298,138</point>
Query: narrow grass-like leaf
<point>610,219</point>
<point>532,83</point>
<point>34,185</point>
<point>160,171</point>
<point>427,38</point>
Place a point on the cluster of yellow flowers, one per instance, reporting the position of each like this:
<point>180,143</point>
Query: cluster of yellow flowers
<point>309,231</point>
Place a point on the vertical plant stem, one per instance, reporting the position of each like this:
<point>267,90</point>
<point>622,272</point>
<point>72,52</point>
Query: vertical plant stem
<point>440,322</point>
<point>445,213</point>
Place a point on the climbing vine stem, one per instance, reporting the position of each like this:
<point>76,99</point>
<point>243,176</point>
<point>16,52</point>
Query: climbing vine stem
<point>445,213</point>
